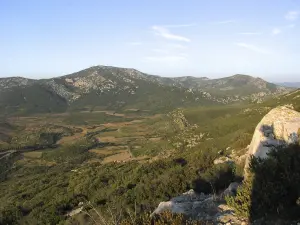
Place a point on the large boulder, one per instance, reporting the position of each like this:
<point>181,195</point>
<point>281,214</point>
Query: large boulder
<point>278,128</point>
<point>183,204</point>
<point>202,207</point>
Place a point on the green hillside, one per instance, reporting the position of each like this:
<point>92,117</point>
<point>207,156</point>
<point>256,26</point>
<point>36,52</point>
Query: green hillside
<point>170,154</point>
<point>35,98</point>
<point>113,88</point>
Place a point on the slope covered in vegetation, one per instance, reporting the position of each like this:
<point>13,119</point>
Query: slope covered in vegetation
<point>128,161</point>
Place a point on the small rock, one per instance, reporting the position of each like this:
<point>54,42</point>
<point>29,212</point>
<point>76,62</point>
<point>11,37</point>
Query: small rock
<point>80,204</point>
<point>222,160</point>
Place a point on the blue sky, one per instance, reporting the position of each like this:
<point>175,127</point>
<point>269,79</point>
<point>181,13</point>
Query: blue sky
<point>214,38</point>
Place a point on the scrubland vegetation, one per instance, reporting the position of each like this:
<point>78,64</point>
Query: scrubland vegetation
<point>272,189</point>
<point>166,159</point>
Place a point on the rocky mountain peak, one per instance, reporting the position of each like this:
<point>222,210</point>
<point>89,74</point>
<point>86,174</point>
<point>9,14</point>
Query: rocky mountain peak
<point>246,79</point>
<point>130,72</point>
<point>242,76</point>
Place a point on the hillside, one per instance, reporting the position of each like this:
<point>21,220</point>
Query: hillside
<point>292,98</point>
<point>112,88</point>
<point>54,163</point>
<point>235,88</point>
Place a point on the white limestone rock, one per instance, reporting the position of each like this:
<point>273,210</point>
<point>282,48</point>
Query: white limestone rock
<point>202,206</point>
<point>278,128</point>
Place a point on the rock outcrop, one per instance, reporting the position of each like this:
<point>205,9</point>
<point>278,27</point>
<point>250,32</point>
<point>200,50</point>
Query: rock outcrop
<point>223,159</point>
<point>210,208</point>
<point>278,128</point>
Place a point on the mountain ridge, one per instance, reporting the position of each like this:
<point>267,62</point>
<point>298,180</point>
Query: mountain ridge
<point>290,84</point>
<point>111,87</point>
<point>148,74</point>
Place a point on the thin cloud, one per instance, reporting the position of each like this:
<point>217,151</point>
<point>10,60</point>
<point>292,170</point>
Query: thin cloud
<point>252,48</point>
<point>292,15</point>
<point>276,31</point>
<point>158,50</point>
<point>176,46</point>
<point>184,55</point>
<point>135,43</point>
<point>225,22</point>
<point>165,33</point>
<point>250,33</point>
<point>180,25</point>
<point>291,26</point>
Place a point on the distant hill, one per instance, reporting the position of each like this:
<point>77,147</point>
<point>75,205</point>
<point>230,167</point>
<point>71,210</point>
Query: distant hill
<point>290,84</point>
<point>105,87</point>
<point>241,85</point>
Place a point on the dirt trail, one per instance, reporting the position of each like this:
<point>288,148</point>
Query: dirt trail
<point>7,154</point>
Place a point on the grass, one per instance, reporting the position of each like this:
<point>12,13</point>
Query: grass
<point>94,118</point>
<point>108,150</point>
<point>122,156</point>
<point>33,155</point>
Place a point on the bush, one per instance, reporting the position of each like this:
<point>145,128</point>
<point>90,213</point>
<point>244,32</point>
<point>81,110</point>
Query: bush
<point>165,218</point>
<point>273,187</point>
<point>214,179</point>
<point>10,215</point>
<point>76,152</point>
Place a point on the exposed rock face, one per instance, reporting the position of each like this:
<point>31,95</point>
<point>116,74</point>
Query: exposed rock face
<point>186,203</point>
<point>202,207</point>
<point>278,128</point>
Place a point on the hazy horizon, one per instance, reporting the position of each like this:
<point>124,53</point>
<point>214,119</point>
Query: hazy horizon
<point>190,38</point>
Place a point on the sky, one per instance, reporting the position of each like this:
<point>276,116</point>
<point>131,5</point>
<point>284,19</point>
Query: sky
<point>212,38</point>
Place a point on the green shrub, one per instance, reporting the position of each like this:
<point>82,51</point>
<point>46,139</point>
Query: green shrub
<point>76,152</point>
<point>214,179</point>
<point>132,218</point>
<point>273,187</point>
<point>242,201</point>
<point>10,215</point>
<point>165,218</point>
